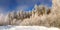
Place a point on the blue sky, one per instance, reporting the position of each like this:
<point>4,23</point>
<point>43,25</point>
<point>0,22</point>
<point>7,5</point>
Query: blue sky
<point>15,5</point>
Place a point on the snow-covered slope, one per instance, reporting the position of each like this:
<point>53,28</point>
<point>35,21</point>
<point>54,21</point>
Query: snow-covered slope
<point>28,28</point>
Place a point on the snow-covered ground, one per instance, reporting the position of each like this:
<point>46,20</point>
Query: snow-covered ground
<point>27,28</point>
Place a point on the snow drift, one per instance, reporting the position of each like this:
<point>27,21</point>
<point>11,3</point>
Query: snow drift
<point>33,28</point>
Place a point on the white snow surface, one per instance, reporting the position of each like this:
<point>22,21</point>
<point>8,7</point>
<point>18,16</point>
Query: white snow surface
<point>27,28</point>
